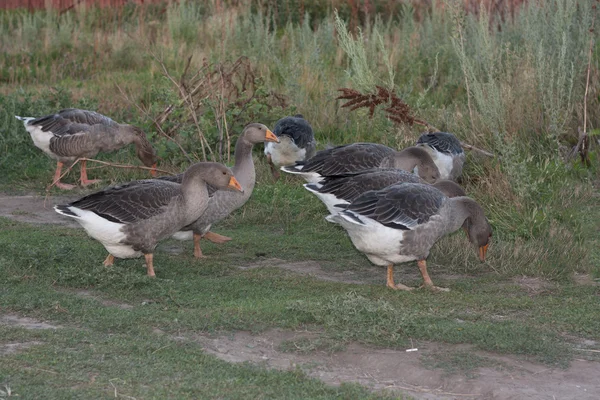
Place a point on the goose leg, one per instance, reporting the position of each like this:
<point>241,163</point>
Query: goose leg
<point>110,260</point>
<point>427,280</point>
<point>56,180</point>
<point>153,170</point>
<point>216,238</point>
<point>390,280</point>
<point>84,179</point>
<point>197,250</point>
<point>149,264</point>
<point>274,170</point>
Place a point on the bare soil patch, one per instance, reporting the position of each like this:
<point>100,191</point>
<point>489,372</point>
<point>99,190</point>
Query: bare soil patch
<point>103,301</point>
<point>534,286</point>
<point>12,348</point>
<point>25,322</point>
<point>407,273</point>
<point>35,209</point>
<point>366,275</point>
<point>398,370</point>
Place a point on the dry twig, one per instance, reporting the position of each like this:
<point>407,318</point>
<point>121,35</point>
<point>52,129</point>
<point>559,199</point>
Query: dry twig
<point>126,166</point>
<point>583,141</point>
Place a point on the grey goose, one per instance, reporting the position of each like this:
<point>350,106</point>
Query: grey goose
<point>222,203</point>
<point>402,222</point>
<point>357,157</point>
<point>339,190</point>
<point>130,219</point>
<point>446,151</point>
<point>72,133</point>
<point>296,143</point>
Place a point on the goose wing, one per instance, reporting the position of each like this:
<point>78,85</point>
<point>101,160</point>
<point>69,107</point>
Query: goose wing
<point>443,142</point>
<point>348,159</point>
<point>403,206</point>
<point>350,187</point>
<point>71,121</point>
<point>130,202</point>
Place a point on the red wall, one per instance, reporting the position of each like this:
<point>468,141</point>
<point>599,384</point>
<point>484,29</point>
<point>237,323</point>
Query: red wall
<point>62,4</point>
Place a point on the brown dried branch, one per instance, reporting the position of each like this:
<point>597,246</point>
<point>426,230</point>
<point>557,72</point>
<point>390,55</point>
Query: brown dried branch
<point>397,111</point>
<point>126,166</point>
<point>219,88</point>
<point>583,141</point>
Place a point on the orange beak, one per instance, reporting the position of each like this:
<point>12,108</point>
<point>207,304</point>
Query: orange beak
<point>153,170</point>
<point>482,251</point>
<point>234,184</point>
<point>270,137</point>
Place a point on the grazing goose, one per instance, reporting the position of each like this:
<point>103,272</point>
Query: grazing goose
<point>340,190</point>
<point>352,158</point>
<point>72,133</point>
<point>130,219</point>
<point>446,151</point>
<point>296,143</point>
<point>221,204</point>
<point>402,222</point>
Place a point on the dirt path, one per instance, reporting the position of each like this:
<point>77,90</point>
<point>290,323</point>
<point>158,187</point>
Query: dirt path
<point>380,369</point>
<point>35,209</point>
<point>403,371</point>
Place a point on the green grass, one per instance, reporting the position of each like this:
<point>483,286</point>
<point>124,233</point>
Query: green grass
<point>482,309</point>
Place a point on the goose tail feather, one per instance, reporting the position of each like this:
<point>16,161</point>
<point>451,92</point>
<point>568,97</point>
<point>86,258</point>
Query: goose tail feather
<point>24,119</point>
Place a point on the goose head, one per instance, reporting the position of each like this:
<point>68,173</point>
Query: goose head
<point>143,148</point>
<point>258,133</point>
<point>214,174</point>
<point>417,158</point>
<point>478,228</point>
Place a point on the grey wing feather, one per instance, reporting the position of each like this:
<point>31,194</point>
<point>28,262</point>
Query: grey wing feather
<point>172,178</point>
<point>443,142</point>
<point>131,202</point>
<point>348,159</point>
<point>71,121</point>
<point>403,206</point>
<point>350,187</point>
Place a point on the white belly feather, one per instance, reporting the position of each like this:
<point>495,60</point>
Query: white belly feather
<point>108,233</point>
<point>328,199</point>
<point>41,139</point>
<point>382,245</point>
<point>285,152</point>
<point>444,162</point>
<point>183,235</point>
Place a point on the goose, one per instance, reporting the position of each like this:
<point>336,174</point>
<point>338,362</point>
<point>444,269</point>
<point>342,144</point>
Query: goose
<point>356,157</point>
<point>446,151</point>
<point>402,222</point>
<point>72,133</point>
<point>130,219</point>
<point>221,204</point>
<point>336,190</point>
<point>296,143</point>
